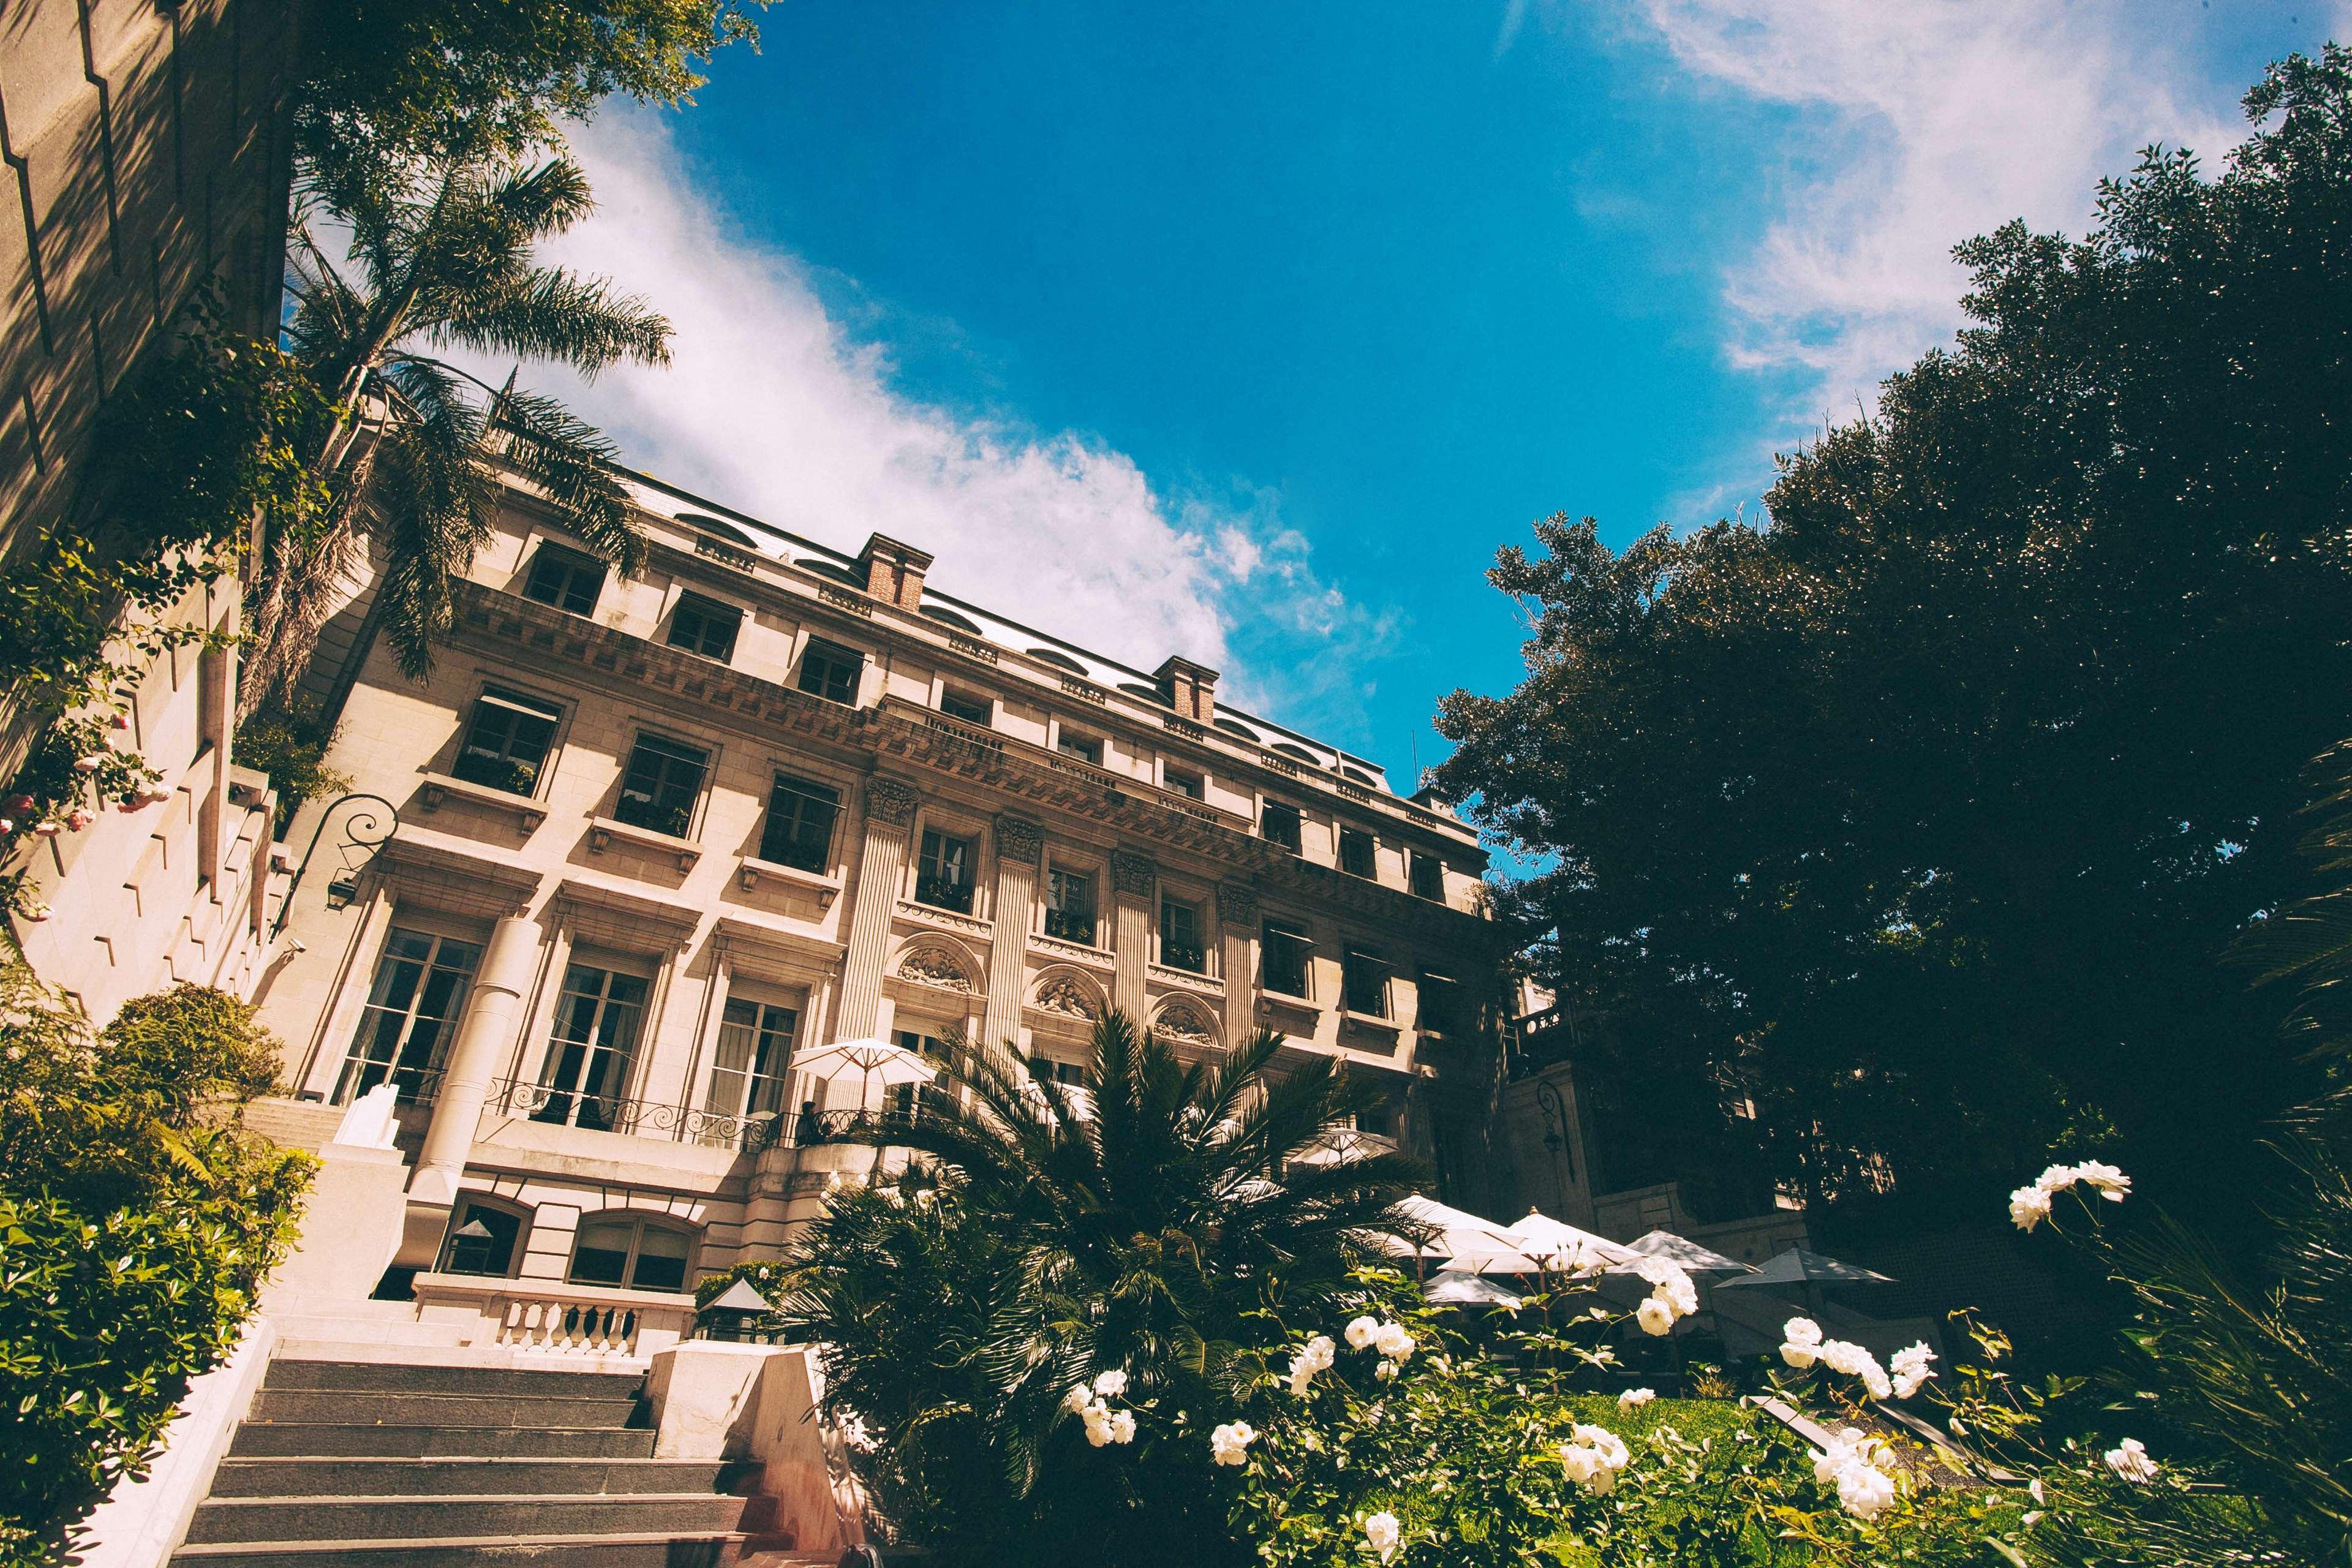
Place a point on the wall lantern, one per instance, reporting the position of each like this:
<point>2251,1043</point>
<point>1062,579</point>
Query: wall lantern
<point>740,1316</point>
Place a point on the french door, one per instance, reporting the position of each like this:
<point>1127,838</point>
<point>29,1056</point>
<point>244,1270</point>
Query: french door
<point>412,1009</point>
<point>587,1069</point>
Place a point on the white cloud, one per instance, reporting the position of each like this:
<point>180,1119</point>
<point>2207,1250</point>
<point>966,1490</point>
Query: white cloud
<point>1922,123</point>
<point>772,406</point>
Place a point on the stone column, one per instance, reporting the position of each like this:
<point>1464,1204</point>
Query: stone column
<point>1018,841</point>
<point>1237,920</point>
<point>493,1010</point>
<point>1132,877</point>
<point>890,815</point>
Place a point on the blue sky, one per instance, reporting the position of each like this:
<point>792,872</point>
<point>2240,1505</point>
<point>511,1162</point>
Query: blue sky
<point>1250,333</point>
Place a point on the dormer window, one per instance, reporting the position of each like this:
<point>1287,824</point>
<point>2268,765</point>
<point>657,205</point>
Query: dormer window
<point>565,579</point>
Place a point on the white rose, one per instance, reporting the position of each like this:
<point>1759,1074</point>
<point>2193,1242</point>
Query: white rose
<point>1654,1316</point>
<point>1381,1533</point>
<point>1077,1399</point>
<point>1801,1332</point>
<point>2055,1179</point>
<point>1394,1342</point>
<point>1911,1368</point>
<point>1800,1356</point>
<point>1603,1442</point>
<point>1828,1461</point>
<point>1122,1426</point>
<point>1110,1384</point>
<point>2112,1184</point>
<point>1361,1333</point>
<point>2129,1459</point>
<point>1580,1463</point>
<point>2029,1206</point>
<point>1865,1490</point>
<point>1228,1444</point>
<point>1634,1398</point>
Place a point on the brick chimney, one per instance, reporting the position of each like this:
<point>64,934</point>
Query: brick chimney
<point>1190,689</point>
<point>894,572</point>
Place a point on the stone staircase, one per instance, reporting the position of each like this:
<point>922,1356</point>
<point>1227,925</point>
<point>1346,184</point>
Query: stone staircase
<point>405,1466</point>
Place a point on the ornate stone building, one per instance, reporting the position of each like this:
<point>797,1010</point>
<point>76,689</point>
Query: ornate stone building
<point>654,835</point>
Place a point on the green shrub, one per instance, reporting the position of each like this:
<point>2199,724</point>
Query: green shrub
<point>138,1222</point>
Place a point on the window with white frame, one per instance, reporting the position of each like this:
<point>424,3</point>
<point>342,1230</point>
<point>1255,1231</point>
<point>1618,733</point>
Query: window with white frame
<point>635,1252</point>
<point>944,873</point>
<point>748,1069</point>
<point>1070,910</point>
<point>1181,945</point>
<point>506,740</point>
<point>589,1052</point>
<point>419,990</point>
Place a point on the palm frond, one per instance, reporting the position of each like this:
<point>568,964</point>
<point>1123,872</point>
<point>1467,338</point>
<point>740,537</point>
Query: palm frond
<point>553,314</point>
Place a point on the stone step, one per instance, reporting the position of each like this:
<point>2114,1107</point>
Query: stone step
<point>636,1550</point>
<point>350,1518</point>
<point>307,1476</point>
<point>321,1336</point>
<point>373,1407</point>
<point>394,1377</point>
<point>309,1440</point>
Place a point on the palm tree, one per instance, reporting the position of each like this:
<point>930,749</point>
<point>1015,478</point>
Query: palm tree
<point>444,259</point>
<point>1136,1226</point>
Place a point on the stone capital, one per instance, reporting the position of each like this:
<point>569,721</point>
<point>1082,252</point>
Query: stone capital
<point>1018,840</point>
<point>1237,903</point>
<point>1132,874</point>
<point>891,803</point>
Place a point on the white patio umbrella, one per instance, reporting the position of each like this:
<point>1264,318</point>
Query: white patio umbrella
<point>1565,1248</point>
<point>1451,1288</point>
<point>868,1062</point>
<point>1457,1230</point>
<point>1492,1257</point>
<point>1694,1259</point>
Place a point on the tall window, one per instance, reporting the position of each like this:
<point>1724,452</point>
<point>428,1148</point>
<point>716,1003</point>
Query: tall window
<point>663,782</point>
<point>1279,824</point>
<point>1356,852</point>
<point>1085,748</point>
<point>799,830</point>
<point>1364,981</point>
<point>1180,936</point>
<point>420,986</point>
<point>1428,877</point>
<point>506,740</point>
<point>1070,905</point>
<point>704,626</point>
<point>632,1251</point>
<point>1286,950</point>
<point>970,710</point>
<point>587,1068</point>
<point>905,1099</point>
<point>482,1241</point>
<point>943,879</point>
<point>565,579</point>
<point>747,1079</point>
<point>1440,1010</point>
<point>831,672</point>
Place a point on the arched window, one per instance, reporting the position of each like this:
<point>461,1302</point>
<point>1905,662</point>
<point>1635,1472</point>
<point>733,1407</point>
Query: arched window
<point>485,1237</point>
<point>1058,659</point>
<point>1236,727</point>
<point>948,617</point>
<point>1301,753</point>
<point>636,1252</point>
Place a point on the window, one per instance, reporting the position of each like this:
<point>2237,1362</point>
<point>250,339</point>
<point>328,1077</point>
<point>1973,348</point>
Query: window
<point>1279,824</point>
<point>1071,1073</point>
<point>1441,1004</point>
<point>420,986</point>
<point>1363,983</point>
<point>831,672</point>
<point>1287,951</point>
<point>1085,748</point>
<point>588,1055</point>
<point>1070,905</point>
<point>631,1251</point>
<point>1182,783</point>
<point>799,824</point>
<point>481,1241</point>
<point>943,879</point>
<point>905,1098</point>
<point>1180,936</point>
<point>659,789</point>
<point>1356,853</point>
<point>565,579</point>
<point>747,1077</point>
<point>506,740</point>
<point>1428,877</point>
<point>970,710</point>
<point>704,626</point>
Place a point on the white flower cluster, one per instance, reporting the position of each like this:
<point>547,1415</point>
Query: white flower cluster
<point>2030,1205</point>
<point>1672,1295</point>
<point>1634,1398</point>
<point>1317,1356</point>
<point>1802,1345</point>
<point>1592,1456</point>
<point>1862,1468</point>
<point>1228,1444</point>
<point>1381,1533</point>
<point>1391,1340</point>
<point>1910,1369</point>
<point>2129,1459</point>
<point>1092,1405</point>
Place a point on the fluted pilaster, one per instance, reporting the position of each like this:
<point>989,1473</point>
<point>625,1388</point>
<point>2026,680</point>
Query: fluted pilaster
<point>881,864</point>
<point>1133,879</point>
<point>1238,927</point>
<point>1018,841</point>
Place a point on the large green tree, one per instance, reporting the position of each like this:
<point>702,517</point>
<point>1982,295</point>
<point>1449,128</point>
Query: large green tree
<point>444,260</point>
<point>1915,819</point>
<point>1136,1227</point>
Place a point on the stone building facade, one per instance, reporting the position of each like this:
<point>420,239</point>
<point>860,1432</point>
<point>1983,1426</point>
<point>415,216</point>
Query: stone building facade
<point>654,835</point>
<point>146,155</point>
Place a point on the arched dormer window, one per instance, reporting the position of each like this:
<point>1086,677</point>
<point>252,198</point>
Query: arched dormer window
<point>1058,659</point>
<point>634,1251</point>
<point>485,1237</point>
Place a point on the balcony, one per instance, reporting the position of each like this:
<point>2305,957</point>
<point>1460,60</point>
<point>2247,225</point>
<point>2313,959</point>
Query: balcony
<point>1071,925</point>
<point>944,893</point>
<point>585,1325</point>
